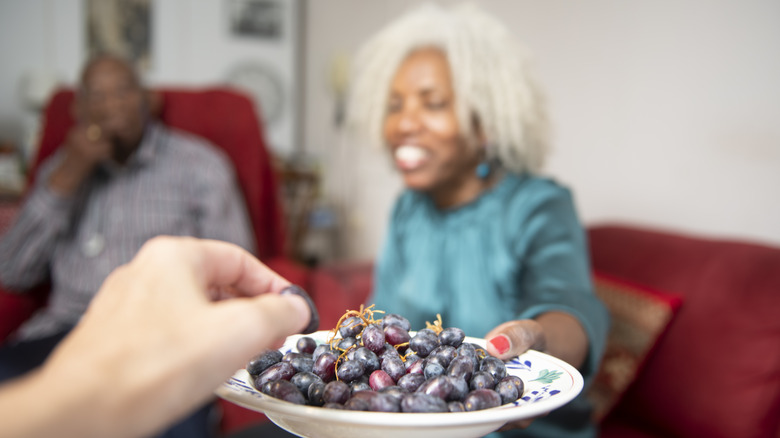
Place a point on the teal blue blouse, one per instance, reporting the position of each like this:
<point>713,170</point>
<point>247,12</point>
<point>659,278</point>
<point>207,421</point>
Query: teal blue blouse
<point>515,252</point>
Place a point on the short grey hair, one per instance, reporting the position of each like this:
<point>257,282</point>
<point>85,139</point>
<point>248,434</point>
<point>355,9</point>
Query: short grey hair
<point>490,75</point>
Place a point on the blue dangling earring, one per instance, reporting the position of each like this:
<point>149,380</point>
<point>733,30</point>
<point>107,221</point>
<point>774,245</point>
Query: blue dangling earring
<point>483,169</point>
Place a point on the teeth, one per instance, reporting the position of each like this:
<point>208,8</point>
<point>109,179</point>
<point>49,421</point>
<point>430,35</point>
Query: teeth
<point>409,154</point>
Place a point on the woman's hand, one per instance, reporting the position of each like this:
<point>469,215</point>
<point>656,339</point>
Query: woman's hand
<point>556,333</point>
<point>157,340</point>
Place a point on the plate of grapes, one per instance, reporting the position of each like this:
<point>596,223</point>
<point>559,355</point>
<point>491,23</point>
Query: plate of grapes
<point>373,376</point>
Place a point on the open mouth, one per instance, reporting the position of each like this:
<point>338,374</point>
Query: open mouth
<point>410,157</point>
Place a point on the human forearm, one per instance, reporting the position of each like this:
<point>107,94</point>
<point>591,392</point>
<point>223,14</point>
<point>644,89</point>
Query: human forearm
<point>564,337</point>
<point>37,405</point>
<point>26,248</point>
<point>153,346</point>
<point>68,177</point>
<point>556,333</point>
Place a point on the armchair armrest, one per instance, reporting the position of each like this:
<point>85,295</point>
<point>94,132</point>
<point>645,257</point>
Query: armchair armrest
<point>17,308</point>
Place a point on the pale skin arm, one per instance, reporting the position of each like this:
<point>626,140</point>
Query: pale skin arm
<point>154,343</point>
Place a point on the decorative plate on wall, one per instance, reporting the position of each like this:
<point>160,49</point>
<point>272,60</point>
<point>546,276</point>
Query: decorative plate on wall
<point>264,85</point>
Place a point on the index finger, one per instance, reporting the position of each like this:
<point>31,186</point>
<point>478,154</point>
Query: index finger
<point>220,264</point>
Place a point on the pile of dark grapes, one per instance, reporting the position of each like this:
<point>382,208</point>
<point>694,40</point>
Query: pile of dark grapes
<point>376,365</point>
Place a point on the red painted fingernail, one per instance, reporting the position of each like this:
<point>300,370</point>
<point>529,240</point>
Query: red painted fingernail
<point>500,343</point>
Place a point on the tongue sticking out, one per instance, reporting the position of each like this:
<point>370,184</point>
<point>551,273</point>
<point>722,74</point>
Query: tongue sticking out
<point>409,157</point>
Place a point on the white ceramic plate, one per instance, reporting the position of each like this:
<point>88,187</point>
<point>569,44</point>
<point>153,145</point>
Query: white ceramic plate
<point>549,384</point>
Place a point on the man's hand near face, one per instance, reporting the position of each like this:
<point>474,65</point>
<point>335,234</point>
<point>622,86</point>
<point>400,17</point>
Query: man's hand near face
<point>85,147</point>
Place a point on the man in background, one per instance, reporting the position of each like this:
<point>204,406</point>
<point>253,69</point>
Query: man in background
<point>117,181</point>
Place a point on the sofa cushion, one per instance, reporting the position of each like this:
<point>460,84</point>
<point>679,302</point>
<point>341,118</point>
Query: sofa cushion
<point>639,317</point>
<point>716,372</point>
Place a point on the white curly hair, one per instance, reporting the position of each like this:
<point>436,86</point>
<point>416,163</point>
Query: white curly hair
<point>490,75</point>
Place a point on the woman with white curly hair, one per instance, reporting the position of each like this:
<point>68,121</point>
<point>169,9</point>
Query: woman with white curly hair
<point>478,236</point>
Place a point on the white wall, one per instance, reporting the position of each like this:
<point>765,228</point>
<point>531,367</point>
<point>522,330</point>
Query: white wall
<point>192,46</point>
<point>666,113</point>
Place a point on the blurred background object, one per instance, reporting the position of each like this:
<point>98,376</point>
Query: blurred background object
<point>663,113</point>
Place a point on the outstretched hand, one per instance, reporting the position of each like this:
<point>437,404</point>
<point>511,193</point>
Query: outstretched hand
<point>160,336</point>
<point>557,333</point>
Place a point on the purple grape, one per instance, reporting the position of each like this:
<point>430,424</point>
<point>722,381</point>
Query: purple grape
<point>482,380</point>
<point>287,391</point>
<point>394,367</point>
<point>336,392</point>
<point>290,355</point>
<point>262,361</point>
<point>444,352</point>
<point>277,371</point>
<point>333,406</point>
<point>396,319</point>
<point>419,402</point>
<point>416,368</point>
<point>427,332</point>
<point>373,338</point>
<point>469,351</point>
<point>394,391</point>
<point>507,390</point>
<point>266,388</point>
<point>424,342</point>
<point>385,403</point>
<point>345,343</point>
<point>455,406</point>
<point>461,367</point>
<point>452,336</point>
<point>319,350</point>
<point>316,389</point>
<point>357,404</point>
<point>494,366</point>
<point>410,382</point>
<point>518,382</point>
<point>388,351</point>
<point>368,358</point>
<point>380,379</point>
<point>440,386</point>
<point>306,344</point>
<point>396,335</point>
<point>432,369</point>
<point>325,366</point>
<point>365,395</point>
<point>410,359</point>
<point>481,399</point>
<point>303,380</point>
<point>302,364</point>
<point>350,370</point>
<point>359,386</point>
<point>438,360</point>
<point>459,389</point>
<point>351,327</point>
<point>314,315</point>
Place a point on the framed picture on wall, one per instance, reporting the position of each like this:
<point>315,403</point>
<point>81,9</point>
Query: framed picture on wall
<point>261,19</point>
<point>120,27</point>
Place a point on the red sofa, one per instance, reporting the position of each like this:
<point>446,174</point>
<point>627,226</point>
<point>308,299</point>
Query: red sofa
<point>715,372</point>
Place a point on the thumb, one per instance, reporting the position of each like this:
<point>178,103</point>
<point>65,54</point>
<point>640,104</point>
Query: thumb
<point>257,323</point>
<point>514,338</point>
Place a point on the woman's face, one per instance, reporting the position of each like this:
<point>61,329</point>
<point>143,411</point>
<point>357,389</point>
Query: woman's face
<point>421,127</point>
